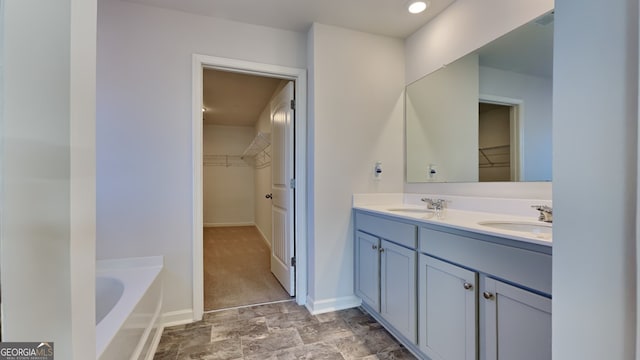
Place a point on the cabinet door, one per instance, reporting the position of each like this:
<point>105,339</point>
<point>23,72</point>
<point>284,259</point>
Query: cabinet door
<point>368,269</point>
<point>517,323</point>
<point>448,316</point>
<point>398,288</point>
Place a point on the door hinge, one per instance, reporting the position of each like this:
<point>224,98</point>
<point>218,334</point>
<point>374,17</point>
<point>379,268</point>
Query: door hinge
<point>293,104</point>
<point>292,183</point>
<point>293,261</point>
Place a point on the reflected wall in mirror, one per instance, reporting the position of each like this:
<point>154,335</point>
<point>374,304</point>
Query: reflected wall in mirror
<point>486,116</point>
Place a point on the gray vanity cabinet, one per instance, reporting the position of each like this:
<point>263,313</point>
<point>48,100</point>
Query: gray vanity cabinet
<point>398,288</point>
<point>367,272</point>
<point>461,300</point>
<point>385,272</point>
<point>451,294</point>
<point>447,308</point>
<point>517,323</point>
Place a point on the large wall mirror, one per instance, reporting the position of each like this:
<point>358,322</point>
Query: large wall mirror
<point>486,116</point>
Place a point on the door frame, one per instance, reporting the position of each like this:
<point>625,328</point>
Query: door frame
<point>299,76</point>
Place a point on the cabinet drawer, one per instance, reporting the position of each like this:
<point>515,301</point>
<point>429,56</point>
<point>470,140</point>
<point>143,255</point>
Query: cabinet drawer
<point>398,232</point>
<point>525,267</point>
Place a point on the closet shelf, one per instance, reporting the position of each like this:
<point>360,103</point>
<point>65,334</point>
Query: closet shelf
<point>223,160</point>
<point>257,153</point>
<point>495,156</point>
<point>259,144</point>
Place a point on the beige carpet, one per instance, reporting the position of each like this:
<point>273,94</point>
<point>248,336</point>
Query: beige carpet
<point>237,269</point>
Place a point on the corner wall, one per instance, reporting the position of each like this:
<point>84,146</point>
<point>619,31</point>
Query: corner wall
<point>356,84</point>
<point>48,175</point>
<point>595,122</point>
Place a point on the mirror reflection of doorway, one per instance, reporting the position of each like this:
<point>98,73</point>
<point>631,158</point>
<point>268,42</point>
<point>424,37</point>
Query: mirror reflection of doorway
<point>237,151</point>
<point>494,142</point>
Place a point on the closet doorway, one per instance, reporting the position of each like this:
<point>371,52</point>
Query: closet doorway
<point>243,234</point>
<point>499,140</point>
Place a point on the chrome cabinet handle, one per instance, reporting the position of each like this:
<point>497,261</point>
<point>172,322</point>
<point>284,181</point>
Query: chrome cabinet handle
<point>467,286</point>
<point>374,247</point>
<point>381,250</point>
<point>487,295</point>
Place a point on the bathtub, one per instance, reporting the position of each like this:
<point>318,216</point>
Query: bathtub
<point>128,306</point>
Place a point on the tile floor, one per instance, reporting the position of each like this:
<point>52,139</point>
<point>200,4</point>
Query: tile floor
<point>283,331</point>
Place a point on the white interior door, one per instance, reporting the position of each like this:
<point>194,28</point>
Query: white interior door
<point>282,211</point>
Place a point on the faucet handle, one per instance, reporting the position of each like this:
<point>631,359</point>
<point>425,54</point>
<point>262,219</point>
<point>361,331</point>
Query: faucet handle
<point>434,203</point>
<point>546,212</point>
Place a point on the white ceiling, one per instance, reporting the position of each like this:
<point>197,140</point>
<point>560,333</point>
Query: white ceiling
<point>384,17</point>
<point>235,99</point>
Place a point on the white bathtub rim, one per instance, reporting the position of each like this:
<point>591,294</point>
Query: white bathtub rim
<point>137,275</point>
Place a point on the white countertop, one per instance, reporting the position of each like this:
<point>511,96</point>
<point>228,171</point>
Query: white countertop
<point>456,218</point>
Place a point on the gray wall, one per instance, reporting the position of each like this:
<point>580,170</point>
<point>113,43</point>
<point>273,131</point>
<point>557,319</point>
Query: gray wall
<point>595,139</point>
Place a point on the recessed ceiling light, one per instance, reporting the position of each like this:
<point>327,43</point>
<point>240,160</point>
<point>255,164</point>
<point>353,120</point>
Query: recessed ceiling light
<point>417,7</point>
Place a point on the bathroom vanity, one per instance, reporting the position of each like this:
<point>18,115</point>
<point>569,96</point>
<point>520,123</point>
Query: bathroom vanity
<point>452,288</point>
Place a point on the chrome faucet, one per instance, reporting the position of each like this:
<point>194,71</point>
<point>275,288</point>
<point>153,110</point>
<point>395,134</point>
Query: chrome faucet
<point>434,204</point>
<point>437,205</point>
<point>546,213</point>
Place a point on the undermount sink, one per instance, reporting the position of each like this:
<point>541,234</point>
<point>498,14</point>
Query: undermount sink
<point>520,226</point>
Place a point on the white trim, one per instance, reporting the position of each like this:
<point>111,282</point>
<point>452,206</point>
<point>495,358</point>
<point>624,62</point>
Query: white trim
<point>264,237</point>
<point>178,317</point>
<point>335,304</point>
<point>300,77</point>
<point>155,342</point>
<point>229,224</point>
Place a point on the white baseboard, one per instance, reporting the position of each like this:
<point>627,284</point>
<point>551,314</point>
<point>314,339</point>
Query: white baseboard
<point>178,317</point>
<point>266,240</point>
<point>229,224</point>
<point>335,304</point>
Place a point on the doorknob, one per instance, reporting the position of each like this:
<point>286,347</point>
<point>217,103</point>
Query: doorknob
<point>269,196</point>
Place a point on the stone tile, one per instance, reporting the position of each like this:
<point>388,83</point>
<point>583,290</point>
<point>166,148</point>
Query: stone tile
<point>363,324</point>
<point>167,353</point>
<point>277,339</point>
<point>194,337</point>
<point>185,337</point>
<point>251,328</point>
<point>398,354</point>
<point>324,331</point>
<point>290,320</point>
<point>292,306</point>
<point>168,341</point>
<point>221,316</point>
<point>317,351</point>
<point>280,331</point>
<point>349,313</point>
<point>259,311</point>
<point>374,342</point>
<point>219,350</point>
